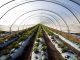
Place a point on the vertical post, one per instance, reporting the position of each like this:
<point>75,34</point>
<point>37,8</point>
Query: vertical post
<point>10,30</point>
<point>18,28</point>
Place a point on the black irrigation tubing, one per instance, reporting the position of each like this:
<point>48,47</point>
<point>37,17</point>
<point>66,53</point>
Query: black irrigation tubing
<point>43,10</point>
<point>40,0</point>
<point>31,16</point>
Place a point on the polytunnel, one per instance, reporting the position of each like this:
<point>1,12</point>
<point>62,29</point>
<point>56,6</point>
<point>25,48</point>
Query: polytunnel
<point>39,30</point>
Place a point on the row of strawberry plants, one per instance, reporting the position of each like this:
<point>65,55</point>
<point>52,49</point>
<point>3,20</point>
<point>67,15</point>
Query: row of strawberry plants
<point>23,44</point>
<point>67,35</point>
<point>39,48</point>
<point>16,45</point>
<point>13,35</point>
<point>13,38</point>
<point>61,46</point>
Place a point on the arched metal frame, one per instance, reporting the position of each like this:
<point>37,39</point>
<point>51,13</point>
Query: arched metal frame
<point>6,3</point>
<point>75,2</point>
<point>54,19</point>
<point>44,1</point>
<point>69,10</point>
<point>42,10</point>
<point>45,14</point>
<point>36,16</point>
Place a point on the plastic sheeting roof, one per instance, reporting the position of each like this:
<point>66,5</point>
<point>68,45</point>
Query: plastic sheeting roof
<point>60,14</point>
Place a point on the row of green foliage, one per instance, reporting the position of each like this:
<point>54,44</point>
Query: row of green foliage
<point>37,42</point>
<point>8,37</point>
<point>13,35</point>
<point>15,44</point>
<point>39,33</point>
<point>50,33</point>
<point>64,48</point>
